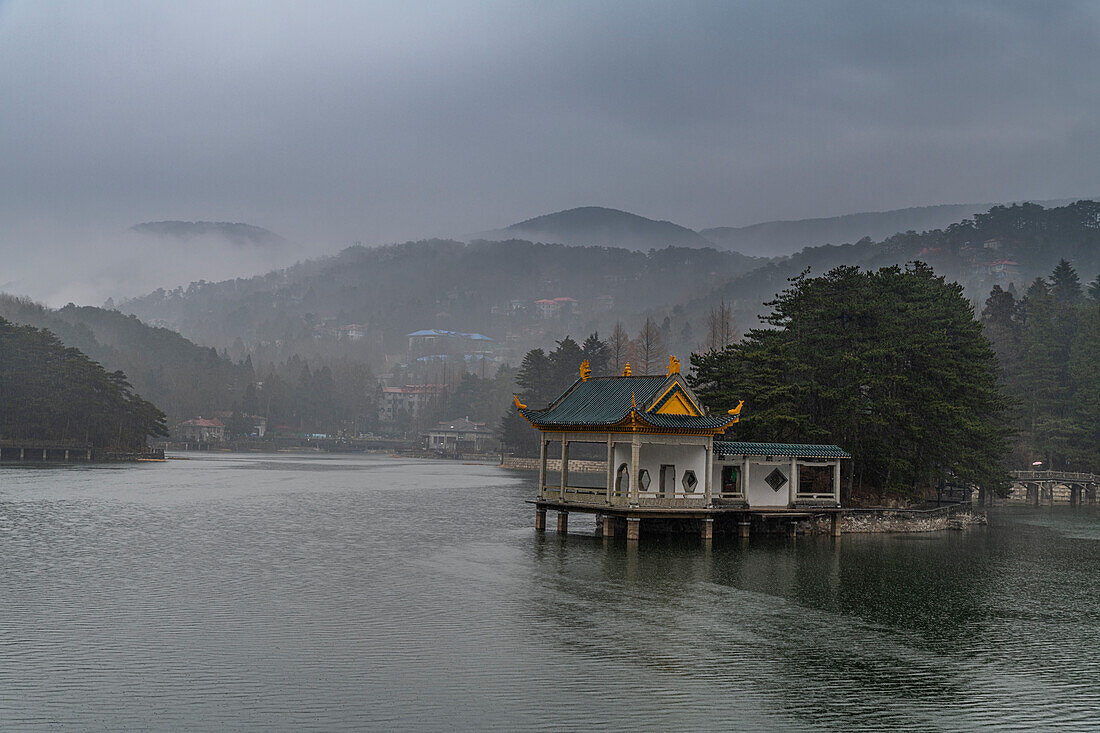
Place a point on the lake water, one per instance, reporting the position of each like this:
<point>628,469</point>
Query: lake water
<point>230,592</point>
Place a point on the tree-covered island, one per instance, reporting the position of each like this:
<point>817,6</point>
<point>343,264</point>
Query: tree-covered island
<point>51,393</point>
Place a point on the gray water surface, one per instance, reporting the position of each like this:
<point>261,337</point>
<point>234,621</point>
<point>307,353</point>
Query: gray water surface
<point>230,592</point>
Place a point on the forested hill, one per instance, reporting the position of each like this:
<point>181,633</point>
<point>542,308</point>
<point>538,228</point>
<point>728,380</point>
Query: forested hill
<point>181,378</point>
<point>51,392</point>
<point>596,226</point>
<point>1008,246</point>
<point>401,288</point>
<point>775,238</point>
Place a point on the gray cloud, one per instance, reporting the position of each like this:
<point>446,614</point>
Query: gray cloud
<point>331,123</point>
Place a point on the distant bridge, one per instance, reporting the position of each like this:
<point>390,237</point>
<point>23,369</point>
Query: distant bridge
<point>1041,486</point>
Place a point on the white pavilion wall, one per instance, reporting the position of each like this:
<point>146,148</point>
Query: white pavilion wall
<point>759,493</point>
<point>683,457</point>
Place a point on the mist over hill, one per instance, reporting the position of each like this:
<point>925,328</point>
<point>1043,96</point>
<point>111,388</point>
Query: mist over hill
<point>362,303</point>
<point>388,292</point>
<point>599,226</point>
<point>596,226</point>
<point>235,233</point>
<point>178,376</point>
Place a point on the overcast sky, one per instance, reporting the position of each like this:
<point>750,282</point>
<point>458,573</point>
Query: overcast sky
<point>331,123</point>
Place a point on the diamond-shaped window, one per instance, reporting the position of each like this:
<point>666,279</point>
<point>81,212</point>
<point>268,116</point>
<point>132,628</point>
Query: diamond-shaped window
<point>690,482</point>
<point>643,479</point>
<point>776,479</point>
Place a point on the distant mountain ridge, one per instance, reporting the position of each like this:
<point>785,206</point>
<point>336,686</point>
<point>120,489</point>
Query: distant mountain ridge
<point>235,232</point>
<point>598,226</point>
<point>778,238</point>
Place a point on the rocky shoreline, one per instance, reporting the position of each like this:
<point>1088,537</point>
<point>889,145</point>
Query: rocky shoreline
<point>887,520</point>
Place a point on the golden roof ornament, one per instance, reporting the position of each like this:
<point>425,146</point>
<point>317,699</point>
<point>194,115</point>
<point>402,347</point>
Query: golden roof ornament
<point>626,372</point>
<point>586,371</point>
<point>735,413</point>
<point>519,405</point>
<point>673,365</point>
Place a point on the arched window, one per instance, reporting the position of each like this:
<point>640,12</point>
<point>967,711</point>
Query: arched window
<point>620,475</point>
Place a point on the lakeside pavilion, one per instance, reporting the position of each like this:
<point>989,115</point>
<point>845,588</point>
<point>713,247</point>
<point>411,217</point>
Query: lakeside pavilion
<point>666,462</point>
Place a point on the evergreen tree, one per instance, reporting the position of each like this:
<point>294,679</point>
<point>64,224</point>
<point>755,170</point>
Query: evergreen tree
<point>597,354</point>
<point>1065,285</point>
<point>889,364</point>
<point>52,393</point>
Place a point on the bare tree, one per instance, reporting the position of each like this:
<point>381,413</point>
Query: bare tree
<point>720,329</point>
<point>650,347</point>
<point>618,347</point>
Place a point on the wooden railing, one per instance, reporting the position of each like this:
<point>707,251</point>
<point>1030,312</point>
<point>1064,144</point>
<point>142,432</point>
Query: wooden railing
<point>598,496</point>
<point>815,496</point>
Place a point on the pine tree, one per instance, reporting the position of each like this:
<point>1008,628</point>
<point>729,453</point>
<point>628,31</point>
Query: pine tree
<point>889,364</point>
<point>1065,285</point>
<point>597,354</point>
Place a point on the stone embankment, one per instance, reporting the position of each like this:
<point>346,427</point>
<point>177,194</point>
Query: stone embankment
<point>889,520</point>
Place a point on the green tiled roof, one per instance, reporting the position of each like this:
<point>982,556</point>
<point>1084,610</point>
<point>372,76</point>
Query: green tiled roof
<point>607,401</point>
<point>725,448</point>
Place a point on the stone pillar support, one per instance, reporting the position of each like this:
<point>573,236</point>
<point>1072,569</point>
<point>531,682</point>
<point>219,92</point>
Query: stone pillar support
<point>835,524</point>
<point>743,527</point>
<point>540,520</point>
<point>707,529</point>
<point>633,525</point>
<point>563,522</point>
<point>608,525</point>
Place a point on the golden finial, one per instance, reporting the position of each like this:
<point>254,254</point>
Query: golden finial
<point>673,365</point>
<point>735,413</point>
<point>633,404</point>
<point>519,405</point>
<point>586,371</point>
<point>626,372</point>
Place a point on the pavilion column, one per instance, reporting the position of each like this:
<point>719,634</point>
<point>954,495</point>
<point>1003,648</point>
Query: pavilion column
<point>836,480</point>
<point>635,468</point>
<point>745,478</point>
<point>564,465</point>
<point>610,467</point>
<point>793,491</point>
<point>542,465</point>
<point>708,478</point>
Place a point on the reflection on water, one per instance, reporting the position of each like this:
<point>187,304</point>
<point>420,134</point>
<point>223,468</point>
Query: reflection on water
<point>327,593</point>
